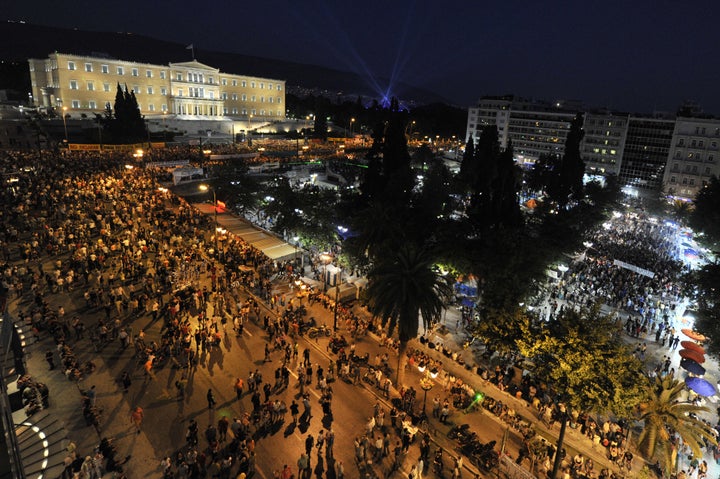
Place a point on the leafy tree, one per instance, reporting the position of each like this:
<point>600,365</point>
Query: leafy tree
<point>704,287</point>
<point>487,151</point>
<point>545,175</point>
<point>236,187</point>
<point>403,288</point>
<point>582,356</point>
<point>706,217</point>
<point>573,167</point>
<point>506,206</point>
<point>468,166</point>
<point>663,414</point>
<point>320,127</point>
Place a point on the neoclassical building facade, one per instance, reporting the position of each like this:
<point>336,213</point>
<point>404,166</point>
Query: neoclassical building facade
<point>81,85</point>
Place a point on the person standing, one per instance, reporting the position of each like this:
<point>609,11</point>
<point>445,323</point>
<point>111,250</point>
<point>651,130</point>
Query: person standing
<point>339,470</point>
<point>294,410</point>
<point>126,381</point>
<point>50,358</point>
<point>136,417</point>
<point>239,388</point>
<point>210,399</point>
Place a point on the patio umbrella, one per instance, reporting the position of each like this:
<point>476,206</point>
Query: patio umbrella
<point>693,355</point>
<point>693,346</point>
<point>700,386</point>
<point>693,334</point>
<point>692,367</point>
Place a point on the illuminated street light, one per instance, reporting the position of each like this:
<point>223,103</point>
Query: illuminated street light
<point>217,227</point>
<point>65,123</point>
<point>426,383</point>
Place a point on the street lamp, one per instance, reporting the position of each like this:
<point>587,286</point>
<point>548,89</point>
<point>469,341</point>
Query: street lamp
<point>326,258</point>
<point>217,227</point>
<point>337,299</point>
<point>352,120</point>
<point>65,124</point>
<point>426,383</point>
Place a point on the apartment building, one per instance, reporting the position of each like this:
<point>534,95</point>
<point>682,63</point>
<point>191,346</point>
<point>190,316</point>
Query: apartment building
<point>693,156</point>
<point>604,142</point>
<point>80,85</point>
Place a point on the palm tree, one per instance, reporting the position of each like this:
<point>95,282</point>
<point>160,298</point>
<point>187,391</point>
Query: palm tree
<point>402,287</point>
<point>664,415</point>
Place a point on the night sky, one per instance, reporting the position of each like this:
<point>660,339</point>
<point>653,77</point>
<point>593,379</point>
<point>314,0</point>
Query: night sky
<point>631,55</point>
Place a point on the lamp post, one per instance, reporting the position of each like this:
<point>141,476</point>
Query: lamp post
<point>217,227</point>
<point>337,299</point>
<point>326,258</point>
<point>64,109</point>
<point>352,120</point>
<point>426,383</point>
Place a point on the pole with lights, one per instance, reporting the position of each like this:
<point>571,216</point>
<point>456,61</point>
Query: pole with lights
<point>217,226</point>
<point>426,382</point>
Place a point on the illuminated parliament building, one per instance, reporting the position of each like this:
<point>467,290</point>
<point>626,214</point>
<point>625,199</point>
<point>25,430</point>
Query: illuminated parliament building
<point>190,90</point>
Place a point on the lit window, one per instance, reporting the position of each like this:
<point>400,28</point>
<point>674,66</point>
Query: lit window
<point>244,83</point>
<point>73,84</point>
<point>92,105</point>
<point>104,69</point>
<point>88,67</point>
<point>244,97</point>
<point>120,71</point>
<point>164,107</point>
<point>90,86</point>
<point>252,98</point>
<point>163,91</point>
<point>252,84</point>
<point>71,65</point>
<point>106,87</point>
<point>148,73</point>
<point>151,107</point>
<point>75,103</point>
<point>135,72</point>
<point>162,74</point>
<point>150,90</point>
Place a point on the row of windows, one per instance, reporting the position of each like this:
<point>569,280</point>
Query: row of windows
<point>150,90</point>
<point>244,111</point>
<point>696,143</point>
<point>92,105</point>
<point>685,181</point>
<point>191,76</point>
<point>119,70</point>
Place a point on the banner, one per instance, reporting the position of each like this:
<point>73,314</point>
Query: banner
<point>634,268</point>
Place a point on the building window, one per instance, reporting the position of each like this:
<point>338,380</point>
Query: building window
<point>270,86</point>
<point>279,113</point>
<point>234,96</point>
<point>135,72</point>
<point>136,89</point>
<point>235,111</point>
<point>151,107</point>
<point>244,83</point>
<point>92,105</point>
<point>104,69</point>
<point>223,95</point>
<point>279,88</point>
<point>120,71</point>
<point>279,101</point>
<point>164,107</point>
<point>262,85</point>
<point>148,73</point>
<point>71,65</point>
<point>252,84</point>
<point>178,77</point>
<point>673,179</point>
<point>150,90</point>
<point>244,111</point>
<point>244,97</point>
<point>711,158</point>
<point>163,91</point>
<point>106,87</point>
<point>252,112</point>
<point>75,103</point>
<point>252,98</point>
<point>162,74</point>
<point>262,99</point>
<point>210,80</point>
<point>270,99</point>
<point>707,170</point>
<point>90,86</point>
<point>88,67</point>
<point>180,92</point>
<point>73,84</point>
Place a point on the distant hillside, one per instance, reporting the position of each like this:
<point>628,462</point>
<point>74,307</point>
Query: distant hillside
<point>20,41</point>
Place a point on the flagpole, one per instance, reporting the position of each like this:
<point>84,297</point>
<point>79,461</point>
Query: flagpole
<point>192,51</point>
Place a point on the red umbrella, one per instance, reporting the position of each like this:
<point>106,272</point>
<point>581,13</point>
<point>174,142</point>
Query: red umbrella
<point>693,334</point>
<point>693,346</point>
<point>693,355</point>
